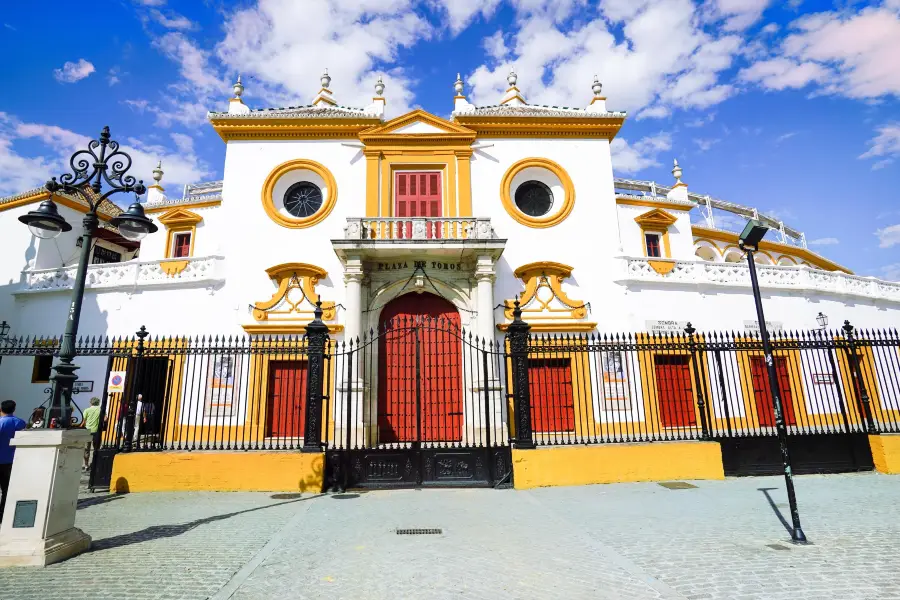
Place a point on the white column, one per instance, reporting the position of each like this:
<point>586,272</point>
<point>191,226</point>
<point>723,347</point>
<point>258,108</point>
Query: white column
<point>484,275</point>
<point>353,276</point>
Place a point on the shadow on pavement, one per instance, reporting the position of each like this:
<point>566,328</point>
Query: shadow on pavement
<point>85,502</point>
<point>787,526</point>
<point>156,532</point>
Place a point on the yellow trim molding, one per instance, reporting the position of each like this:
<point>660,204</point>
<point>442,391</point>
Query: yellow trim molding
<point>189,205</point>
<point>651,203</point>
<point>179,220</point>
<point>384,134</point>
<point>282,306</point>
<point>657,221</point>
<point>58,199</point>
<point>537,222</point>
<point>490,126</point>
<point>543,284</point>
<point>174,267</point>
<point>886,453</point>
<point>284,168</point>
<point>256,128</point>
<point>794,251</point>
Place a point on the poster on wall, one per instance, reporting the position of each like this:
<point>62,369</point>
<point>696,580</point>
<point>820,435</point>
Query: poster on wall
<point>116,382</point>
<point>615,380</point>
<point>220,386</point>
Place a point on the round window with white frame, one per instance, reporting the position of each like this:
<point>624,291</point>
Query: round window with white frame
<point>299,193</point>
<point>537,192</point>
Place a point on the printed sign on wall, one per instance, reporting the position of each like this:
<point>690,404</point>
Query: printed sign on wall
<point>116,382</point>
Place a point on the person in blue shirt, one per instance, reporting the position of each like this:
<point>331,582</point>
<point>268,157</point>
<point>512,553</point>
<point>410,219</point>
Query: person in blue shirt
<point>9,425</point>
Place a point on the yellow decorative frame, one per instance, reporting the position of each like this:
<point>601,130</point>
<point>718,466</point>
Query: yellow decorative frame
<point>550,275</point>
<point>537,222</point>
<point>289,276</point>
<point>657,221</point>
<point>178,220</point>
<point>284,168</point>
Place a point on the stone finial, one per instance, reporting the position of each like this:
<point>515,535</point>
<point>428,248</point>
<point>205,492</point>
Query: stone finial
<point>458,85</point>
<point>512,78</point>
<point>324,96</point>
<point>597,87</point>
<point>238,88</point>
<point>379,87</point>
<point>677,173</point>
<point>158,173</point>
<point>325,79</point>
<point>513,96</point>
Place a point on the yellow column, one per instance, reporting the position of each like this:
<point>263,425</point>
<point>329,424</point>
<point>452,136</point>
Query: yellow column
<point>464,170</point>
<point>372,183</point>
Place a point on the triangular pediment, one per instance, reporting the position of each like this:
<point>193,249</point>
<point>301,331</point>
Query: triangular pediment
<point>656,218</point>
<point>180,216</point>
<point>418,123</point>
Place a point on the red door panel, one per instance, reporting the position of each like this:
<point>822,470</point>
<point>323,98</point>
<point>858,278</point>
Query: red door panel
<point>550,388</point>
<point>286,406</point>
<point>674,390</point>
<point>762,392</point>
<point>418,194</point>
<point>420,382</point>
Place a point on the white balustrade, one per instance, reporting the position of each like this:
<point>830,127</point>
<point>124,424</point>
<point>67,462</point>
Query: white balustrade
<point>799,278</point>
<point>419,228</point>
<point>203,270</point>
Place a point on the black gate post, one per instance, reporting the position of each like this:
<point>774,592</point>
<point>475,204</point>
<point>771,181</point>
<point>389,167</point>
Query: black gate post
<point>517,336</point>
<point>317,338</point>
<point>860,388</point>
<point>698,383</point>
<point>136,389</point>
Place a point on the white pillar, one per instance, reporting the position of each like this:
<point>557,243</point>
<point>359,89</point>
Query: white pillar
<point>353,276</point>
<point>43,490</point>
<point>351,386</point>
<point>484,275</point>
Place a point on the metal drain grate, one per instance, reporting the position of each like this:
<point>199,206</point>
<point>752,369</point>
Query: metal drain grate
<point>677,485</point>
<point>419,531</point>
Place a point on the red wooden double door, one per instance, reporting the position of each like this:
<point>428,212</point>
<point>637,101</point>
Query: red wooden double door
<point>286,406</point>
<point>762,391</point>
<point>418,194</point>
<point>420,396</point>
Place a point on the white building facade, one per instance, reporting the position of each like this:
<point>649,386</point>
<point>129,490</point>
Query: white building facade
<point>505,201</point>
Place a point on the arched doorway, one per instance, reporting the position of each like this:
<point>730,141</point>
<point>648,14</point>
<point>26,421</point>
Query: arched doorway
<point>420,396</point>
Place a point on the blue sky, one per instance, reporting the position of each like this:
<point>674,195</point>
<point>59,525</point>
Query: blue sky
<point>791,107</point>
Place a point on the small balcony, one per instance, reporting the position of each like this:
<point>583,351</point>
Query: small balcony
<point>382,236</point>
<point>199,271</point>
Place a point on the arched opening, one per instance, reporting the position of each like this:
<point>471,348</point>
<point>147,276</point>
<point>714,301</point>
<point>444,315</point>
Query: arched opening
<point>734,257</point>
<point>762,259</point>
<point>706,253</point>
<point>787,261</point>
<point>420,396</point>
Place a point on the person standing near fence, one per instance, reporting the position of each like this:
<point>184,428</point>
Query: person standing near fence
<point>9,425</point>
<point>92,424</point>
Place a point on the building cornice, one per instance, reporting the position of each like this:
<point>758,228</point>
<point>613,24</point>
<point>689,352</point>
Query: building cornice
<point>579,125</point>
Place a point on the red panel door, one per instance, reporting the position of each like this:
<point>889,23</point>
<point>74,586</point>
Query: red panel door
<point>550,388</point>
<point>286,406</point>
<point>762,392</point>
<point>418,194</point>
<point>674,391</point>
<point>420,373</point>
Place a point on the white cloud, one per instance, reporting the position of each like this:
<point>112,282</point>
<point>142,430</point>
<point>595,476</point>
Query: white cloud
<point>20,172</point>
<point>652,56</point>
<point>115,76</point>
<point>889,236</point>
<point>785,137</point>
<point>495,46</point>
<point>827,241</point>
<point>73,71</point>
<point>885,145</point>
<point>701,121</point>
<point>631,158</point>
<point>783,73</point>
<point>737,14</point>
<point>172,21</point>
<point>706,143</point>
<point>770,28</point>
<point>151,2</point>
<point>461,12</point>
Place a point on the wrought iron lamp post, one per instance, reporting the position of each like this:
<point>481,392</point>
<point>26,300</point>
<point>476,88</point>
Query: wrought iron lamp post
<point>749,242</point>
<point>101,162</point>
<point>822,320</point>
<point>4,332</point>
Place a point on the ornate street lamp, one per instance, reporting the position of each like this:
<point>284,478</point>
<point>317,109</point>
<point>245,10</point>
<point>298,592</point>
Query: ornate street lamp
<point>4,332</point>
<point>822,320</point>
<point>101,162</point>
<point>749,242</point>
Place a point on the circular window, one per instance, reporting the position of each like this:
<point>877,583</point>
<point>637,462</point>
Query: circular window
<point>299,193</point>
<point>303,199</point>
<point>534,198</point>
<point>537,192</point>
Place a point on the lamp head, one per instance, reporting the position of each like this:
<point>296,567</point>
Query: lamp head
<point>45,222</point>
<point>822,320</point>
<point>133,224</point>
<point>752,235</point>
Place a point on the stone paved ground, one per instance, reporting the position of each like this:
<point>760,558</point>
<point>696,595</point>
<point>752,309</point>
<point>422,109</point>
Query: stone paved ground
<point>720,540</point>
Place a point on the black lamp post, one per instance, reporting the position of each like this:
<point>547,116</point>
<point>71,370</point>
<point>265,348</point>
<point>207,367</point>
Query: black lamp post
<point>822,320</point>
<point>749,242</point>
<point>4,332</point>
<point>102,161</point>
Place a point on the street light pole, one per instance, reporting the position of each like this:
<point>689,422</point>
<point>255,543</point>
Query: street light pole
<point>4,332</point>
<point>90,168</point>
<point>749,243</point>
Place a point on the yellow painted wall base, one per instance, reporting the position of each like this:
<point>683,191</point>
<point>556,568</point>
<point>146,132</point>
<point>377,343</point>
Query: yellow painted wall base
<point>616,463</point>
<point>218,472</point>
<point>886,452</point>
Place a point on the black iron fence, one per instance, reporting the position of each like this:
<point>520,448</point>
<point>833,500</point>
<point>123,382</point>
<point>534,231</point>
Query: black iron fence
<point>424,400</point>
